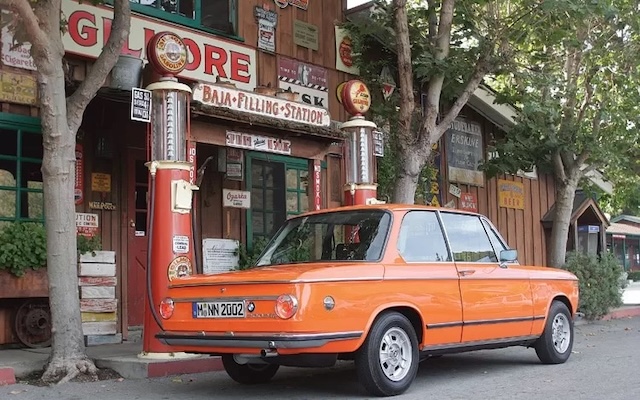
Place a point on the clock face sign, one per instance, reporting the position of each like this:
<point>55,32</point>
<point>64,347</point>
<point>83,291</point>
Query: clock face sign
<point>167,53</point>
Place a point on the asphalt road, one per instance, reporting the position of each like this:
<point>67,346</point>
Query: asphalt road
<point>605,365</point>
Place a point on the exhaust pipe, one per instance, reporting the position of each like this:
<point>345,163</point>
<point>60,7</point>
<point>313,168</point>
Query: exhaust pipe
<point>268,353</point>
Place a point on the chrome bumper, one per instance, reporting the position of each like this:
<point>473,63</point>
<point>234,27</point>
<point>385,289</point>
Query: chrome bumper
<point>254,340</point>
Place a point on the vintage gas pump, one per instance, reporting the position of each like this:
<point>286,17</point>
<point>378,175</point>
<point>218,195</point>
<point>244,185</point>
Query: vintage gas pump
<point>170,252</point>
<point>360,187</point>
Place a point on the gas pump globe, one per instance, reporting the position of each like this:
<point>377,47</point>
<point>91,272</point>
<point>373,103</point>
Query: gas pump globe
<point>359,159</point>
<point>170,249</point>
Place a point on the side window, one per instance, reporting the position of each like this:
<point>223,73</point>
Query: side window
<point>468,239</point>
<point>421,238</point>
<point>496,242</point>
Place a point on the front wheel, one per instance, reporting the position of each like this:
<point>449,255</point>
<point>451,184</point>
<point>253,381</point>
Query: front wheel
<point>387,362</point>
<point>248,374</point>
<point>556,342</point>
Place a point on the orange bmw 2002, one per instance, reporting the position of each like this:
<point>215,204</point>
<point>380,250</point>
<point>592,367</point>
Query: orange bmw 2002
<point>384,285</point>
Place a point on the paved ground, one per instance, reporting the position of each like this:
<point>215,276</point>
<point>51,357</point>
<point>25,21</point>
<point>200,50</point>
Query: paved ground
<point>605,365</point>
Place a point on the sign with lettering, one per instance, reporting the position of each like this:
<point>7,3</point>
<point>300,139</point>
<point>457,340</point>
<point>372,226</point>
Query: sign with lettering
<point>302,4</point>
<point>12,55</point>
<point>465,153</point>
<point>468,202</point>
<point>267,21</point>
<point>305,35</point>
<point>78,188</point>
<point>236,198</point>
<point>219,255</point>
<point>102,205</point>
<point>101,182</point>
<point>208,56</point>
<point>235,163</point>
<point>433,195</point>
<point>140,105</point>
<point>312,82</point>
<point>87,224</point>
<point>510,194</point>
<point>18,88</point>
<point>266,106</point>
<point>317,184</point>
<point>344,58</point>
<point>258,143</point>
<point>378,143</point>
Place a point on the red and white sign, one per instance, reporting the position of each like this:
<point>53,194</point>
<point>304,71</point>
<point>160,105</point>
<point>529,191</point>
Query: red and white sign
<point>87,224</point>
<point>208,56</point>
<point>12,55</point>
<point>317,184</point>
<point>191,157</point>
<point>468,202</point>
<point>236,198</point>
<point>78,191</point>
<point>266,106</point>
<point>258,143</point>
<point>344,57</point>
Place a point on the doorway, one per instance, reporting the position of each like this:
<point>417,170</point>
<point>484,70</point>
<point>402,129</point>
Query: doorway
<point>137,198</point>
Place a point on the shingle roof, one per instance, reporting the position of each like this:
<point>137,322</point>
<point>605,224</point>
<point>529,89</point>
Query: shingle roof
<point>617,228</point>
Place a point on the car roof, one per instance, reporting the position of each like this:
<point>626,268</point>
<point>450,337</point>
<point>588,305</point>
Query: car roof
<point>393,207</point>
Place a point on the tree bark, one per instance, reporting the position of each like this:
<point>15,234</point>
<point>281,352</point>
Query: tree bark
<point>61,118</point>
<point>404,191</point>
<point>565,194</point>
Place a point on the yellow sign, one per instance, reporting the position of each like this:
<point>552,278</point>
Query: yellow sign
<point>18,88</point>
<point>510,194</point>
<point>100,182</point>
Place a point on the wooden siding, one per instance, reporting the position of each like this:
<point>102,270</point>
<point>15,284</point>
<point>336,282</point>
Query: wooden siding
<point>521,229</point>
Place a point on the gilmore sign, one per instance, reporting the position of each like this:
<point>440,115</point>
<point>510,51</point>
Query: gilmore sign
<point>208,56</point>
<point>266,106</point>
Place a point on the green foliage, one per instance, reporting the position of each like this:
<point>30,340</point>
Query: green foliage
<point>23,246</point>
<point>600,284</point>
<point>634,276</point>
<point>248,257</point>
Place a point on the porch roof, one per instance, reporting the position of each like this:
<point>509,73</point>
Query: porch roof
<point>617,228</point>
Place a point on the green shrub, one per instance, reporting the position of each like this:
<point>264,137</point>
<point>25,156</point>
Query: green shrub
<point>23,246</point>
<point>249,257</point>
<point>600,284</point>
<point>633,275</point>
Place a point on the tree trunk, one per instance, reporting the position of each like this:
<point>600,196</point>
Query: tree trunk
<point>407,181</point>
<point>68,357</point>
<point>565,194</point>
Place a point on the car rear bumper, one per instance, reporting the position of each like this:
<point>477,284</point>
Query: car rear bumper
<point>254,340</point>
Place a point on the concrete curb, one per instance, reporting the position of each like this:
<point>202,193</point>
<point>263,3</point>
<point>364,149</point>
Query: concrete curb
<point>619,313</point>
<point>132,367</point>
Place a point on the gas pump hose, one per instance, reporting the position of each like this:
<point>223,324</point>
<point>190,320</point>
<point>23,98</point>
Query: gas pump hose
<point>152,202</point>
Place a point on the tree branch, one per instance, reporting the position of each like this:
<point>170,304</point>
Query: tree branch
<point>29,22</point>
<point>405,71</point>
<point>441,51</point>
<point>433,22</point>
<point>558,166</point>
<point>78,101</point>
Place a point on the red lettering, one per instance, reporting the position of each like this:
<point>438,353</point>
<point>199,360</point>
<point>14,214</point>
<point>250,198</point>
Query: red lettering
<point>106,24</point>
<point>206,93</point>
<point>240,63</point>
<point>214,57</point>
<point>196,57</point>
<point>89,35</point>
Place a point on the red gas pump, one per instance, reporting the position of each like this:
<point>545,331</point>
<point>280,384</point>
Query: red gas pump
<point>170,251</point>
<point>360,187</point>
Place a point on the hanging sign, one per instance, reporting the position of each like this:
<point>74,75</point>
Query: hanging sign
<point>378,143</point>
<point>510,194</point>
<point>140,105</point>
<point>465,153</point>
<point>388,83</point>
<point>236,198</point>
<point>301,4</point>
<point>454,190</point>
<point>312,82</point>
<point>78,190</point>
<point>266,106</point>
<point>267,21</point>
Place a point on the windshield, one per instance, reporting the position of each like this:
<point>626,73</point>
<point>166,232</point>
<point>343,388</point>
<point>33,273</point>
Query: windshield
<point>342,235</point>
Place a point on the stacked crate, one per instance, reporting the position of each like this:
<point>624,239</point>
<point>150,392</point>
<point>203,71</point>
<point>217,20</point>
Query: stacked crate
<point>98,303</point>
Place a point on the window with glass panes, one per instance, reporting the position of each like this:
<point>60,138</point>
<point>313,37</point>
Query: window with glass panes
<point>21,197</point>
<point>215,15</point>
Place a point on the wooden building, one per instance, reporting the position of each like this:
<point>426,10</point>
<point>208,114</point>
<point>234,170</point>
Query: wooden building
<point>253,46</point>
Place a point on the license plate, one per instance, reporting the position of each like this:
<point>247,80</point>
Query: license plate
<point>218,309</point>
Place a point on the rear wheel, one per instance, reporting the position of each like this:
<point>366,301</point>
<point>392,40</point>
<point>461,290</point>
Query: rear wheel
<point>556,342</point>
<point>387,362</point>
<point>248,374</point>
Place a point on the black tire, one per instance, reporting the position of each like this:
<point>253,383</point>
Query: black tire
<point>368,363</point>
<point>248,374</point>
<point>553,347</point>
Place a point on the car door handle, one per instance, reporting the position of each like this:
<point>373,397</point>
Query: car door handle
<point>466,272</point>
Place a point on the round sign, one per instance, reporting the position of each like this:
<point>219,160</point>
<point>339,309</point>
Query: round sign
<point>179,268</point>
<point>167,53</point>
<point>339,92</point>
<point>356,98</point>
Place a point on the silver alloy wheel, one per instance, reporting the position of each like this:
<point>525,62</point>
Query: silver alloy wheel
<point>395,354</point>
<point>561,333</point>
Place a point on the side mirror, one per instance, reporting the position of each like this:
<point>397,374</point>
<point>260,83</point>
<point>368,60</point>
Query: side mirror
<point>508,255</point>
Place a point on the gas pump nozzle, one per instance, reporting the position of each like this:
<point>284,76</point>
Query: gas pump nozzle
<point>200,172</point>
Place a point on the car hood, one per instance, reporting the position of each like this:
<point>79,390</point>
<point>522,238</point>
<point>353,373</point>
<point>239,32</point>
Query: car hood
<point>289,273</point>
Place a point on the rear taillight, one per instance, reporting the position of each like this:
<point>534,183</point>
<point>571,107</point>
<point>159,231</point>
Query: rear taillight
<point>286,306</point>
<point>166,308</point>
